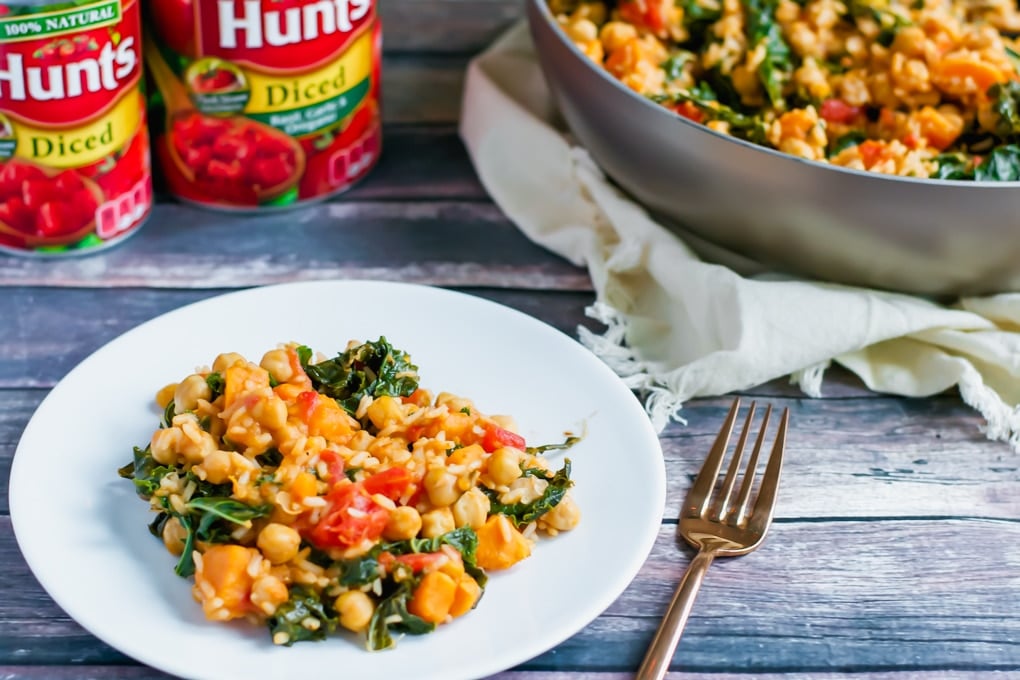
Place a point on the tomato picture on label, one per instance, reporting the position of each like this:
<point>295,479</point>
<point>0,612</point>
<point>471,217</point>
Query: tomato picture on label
<point>234,158</point>
<point>213,75</point>
<point>40,207</point>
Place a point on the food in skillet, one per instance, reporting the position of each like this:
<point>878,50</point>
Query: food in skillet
<point>921,88</point>
<point>305,495</point>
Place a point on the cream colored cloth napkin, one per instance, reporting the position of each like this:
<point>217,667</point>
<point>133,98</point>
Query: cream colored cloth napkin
<point>679,327</point>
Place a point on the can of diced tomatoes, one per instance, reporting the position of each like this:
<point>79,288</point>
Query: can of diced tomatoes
<point>263,104</point>
<point>74,146</point>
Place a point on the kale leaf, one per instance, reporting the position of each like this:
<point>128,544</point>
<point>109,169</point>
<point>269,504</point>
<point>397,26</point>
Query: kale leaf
<point>889,23</point>
<point>1006,105</point>
<point>698,19</point>
<point>271,458</point>
<point>365,569</point>
<point>852,138</point>
<point>168,414</point>
<point>145,472</point>
<point>464,540</point>
<point>361,570</point>
<point>373,368</point>
<point>217,385</point>
<point>953,166</point>
<point>567,443</point>
<point>395,605</point>
<point>302,604</point>
<point>525,513</point>
<point>674,66</point>
<point>775,69</point>
<point>1001,165</point>
<point>214,516</point>
<point>742,125</point>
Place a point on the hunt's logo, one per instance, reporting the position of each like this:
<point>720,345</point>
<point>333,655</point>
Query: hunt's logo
<point>281,35</point>
<point>68,66</point>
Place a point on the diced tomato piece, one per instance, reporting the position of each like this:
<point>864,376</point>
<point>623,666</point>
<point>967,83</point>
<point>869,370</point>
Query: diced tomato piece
<point>648,13</point>
<point>306,402</point>
<point>689,111</point>
<point>392,483</point>
<point>871,152</point>
<point>334,464</point>
<point>351,518</point>
<point>419,562</point>
<point>838,111</point>
<point>496,437</point>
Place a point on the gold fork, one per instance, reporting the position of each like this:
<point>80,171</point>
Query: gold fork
<point>718,527</point>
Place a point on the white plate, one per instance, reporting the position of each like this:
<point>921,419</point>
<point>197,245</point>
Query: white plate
<point>83,530</point>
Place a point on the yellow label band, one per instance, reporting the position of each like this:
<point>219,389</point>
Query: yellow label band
<point>271,93</point>
<point>75,147</point>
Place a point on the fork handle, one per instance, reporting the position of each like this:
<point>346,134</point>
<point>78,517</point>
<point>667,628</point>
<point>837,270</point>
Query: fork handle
<point>660,652</point>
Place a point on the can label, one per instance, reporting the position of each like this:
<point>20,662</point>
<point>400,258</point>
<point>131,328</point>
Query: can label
<point>74,147</point>
<point>264,103</point>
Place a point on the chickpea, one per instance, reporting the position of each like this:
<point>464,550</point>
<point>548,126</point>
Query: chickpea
<point>279,543</point>
<point>441,487</point>
<point>163,445</point>
<point>404,523</point>
<point>217,466</point>
<point>355,609</point>
<point>383,411</point>
<point>271,412</point>
<point>582,30</point>
<point>614,34</point>
<point>437,522</point>
<point>564,516</point>
<point>277,364</point>
<point>505,465</point>
<point>471,509</point>
<point>164,396</point>
<point>268,593</point>
<point>174,536</point>
<point>196,444</point>
<point>225,361</point>
<point>188,392</point>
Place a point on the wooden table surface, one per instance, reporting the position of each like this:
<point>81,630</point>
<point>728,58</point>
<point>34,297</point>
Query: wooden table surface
<point>896,549</point>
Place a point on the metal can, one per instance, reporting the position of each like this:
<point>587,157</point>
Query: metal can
<point>74,146</point>
<point>264,104</point>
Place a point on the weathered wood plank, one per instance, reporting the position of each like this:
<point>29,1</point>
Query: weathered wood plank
<point>420,163</point>
<point>142,673</point>
<point>422,89</point>
<point>819,596</point>
<point>445,26</point>
<point>861,458</point>
<point>443,243</point>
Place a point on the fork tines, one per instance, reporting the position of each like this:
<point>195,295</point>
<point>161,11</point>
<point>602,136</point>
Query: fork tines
<point>720,506</point>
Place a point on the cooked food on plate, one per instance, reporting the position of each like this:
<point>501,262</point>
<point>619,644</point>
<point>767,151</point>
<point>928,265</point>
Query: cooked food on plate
<point>308,493</point>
